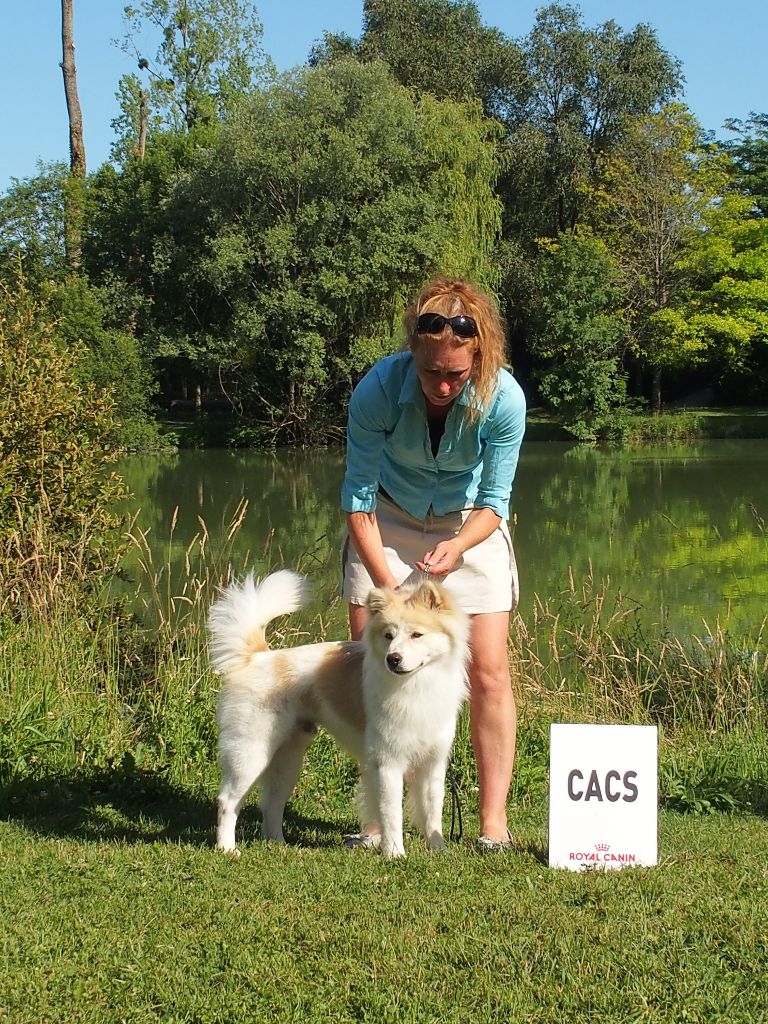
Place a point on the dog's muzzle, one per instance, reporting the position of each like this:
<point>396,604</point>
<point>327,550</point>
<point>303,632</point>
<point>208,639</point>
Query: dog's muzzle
<point>395,663</point>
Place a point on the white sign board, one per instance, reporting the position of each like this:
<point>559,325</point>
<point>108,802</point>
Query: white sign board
<point>603,784</point>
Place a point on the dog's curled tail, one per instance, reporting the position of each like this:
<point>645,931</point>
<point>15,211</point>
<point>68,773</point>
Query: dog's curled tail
<point>238,618</point>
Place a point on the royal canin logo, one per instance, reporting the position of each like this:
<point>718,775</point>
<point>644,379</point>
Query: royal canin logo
<point>601,855</point>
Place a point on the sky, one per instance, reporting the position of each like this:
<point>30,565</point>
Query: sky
<point>720,44</point>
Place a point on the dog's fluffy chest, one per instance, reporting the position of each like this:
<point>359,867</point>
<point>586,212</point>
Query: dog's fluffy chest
<point>415,715</point>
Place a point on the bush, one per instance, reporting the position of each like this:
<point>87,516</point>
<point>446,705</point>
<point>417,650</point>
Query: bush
<point>57,439</point>
<point>578,330</point>
<point>110,359</point>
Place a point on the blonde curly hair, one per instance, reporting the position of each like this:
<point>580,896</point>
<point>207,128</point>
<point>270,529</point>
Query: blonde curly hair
<point>452,296</point>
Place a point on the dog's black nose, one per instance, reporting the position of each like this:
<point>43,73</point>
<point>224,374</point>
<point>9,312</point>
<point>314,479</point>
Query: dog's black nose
<point>394,661</point>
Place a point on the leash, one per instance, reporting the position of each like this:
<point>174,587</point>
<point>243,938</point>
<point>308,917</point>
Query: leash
<point>455,833</point>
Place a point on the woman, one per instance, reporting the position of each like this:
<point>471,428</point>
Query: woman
<point>433,438</point>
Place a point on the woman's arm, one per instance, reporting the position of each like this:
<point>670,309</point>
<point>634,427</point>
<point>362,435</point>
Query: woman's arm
<point>364,534</point>
<point>502,446</point>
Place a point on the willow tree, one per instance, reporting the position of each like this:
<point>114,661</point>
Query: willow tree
<point>77,169</point>
<point>293,247</point>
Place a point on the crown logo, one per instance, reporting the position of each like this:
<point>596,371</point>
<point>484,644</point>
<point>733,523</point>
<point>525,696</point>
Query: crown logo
<point>602,847</point>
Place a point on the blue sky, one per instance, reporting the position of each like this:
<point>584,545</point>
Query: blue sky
<point>721,46</point>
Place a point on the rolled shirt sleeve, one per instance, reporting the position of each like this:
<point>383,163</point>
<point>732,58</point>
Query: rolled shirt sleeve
<point>366,437</point>
<point>502,435</point>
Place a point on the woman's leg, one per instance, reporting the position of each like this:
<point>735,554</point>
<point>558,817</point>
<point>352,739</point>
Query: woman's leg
<point>493,718</point>
<point>358,615</point>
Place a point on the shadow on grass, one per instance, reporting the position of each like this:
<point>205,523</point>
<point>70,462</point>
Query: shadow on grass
<point>134,806</point>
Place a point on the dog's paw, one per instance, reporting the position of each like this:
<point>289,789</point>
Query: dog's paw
<point>233,851</point>
<point>392,851</point>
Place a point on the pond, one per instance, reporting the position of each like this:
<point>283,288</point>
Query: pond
<point>681,532</point>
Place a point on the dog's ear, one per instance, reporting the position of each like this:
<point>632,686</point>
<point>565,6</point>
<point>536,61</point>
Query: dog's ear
<point>377,600</point>
<point>428,594</point>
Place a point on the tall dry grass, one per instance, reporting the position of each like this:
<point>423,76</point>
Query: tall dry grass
<point>585,653</point>
<point>89,683</point>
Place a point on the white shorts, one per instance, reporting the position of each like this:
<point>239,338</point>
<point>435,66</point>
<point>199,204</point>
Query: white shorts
<point>484,579</point>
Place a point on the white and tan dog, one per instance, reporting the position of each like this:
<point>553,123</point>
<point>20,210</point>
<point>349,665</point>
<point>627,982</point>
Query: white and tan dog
<point>391,700</point>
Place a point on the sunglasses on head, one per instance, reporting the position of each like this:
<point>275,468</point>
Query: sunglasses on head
<point>434,323</point>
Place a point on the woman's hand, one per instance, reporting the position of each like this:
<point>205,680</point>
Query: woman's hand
<point>446,554</point>
<point>442,559</point>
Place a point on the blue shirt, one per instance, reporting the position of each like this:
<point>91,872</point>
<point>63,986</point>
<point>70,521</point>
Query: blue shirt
<point>388,444</point>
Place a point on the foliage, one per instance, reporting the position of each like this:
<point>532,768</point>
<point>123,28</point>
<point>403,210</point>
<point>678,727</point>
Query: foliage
<point>128,214</point>
<point>657,185</point>
<point>722,303</point>
<point>424,42</point>
<point>299,234</point>
<point>750,159</point>
<point>260,202</point>
<point>109,360</point>
<point>57,438</point>
<point>32,215</point>
<point>209,55</point>
<point>32,224</point>
<point>578,331</point>
<point>128,249</point>
<point>579,87</point>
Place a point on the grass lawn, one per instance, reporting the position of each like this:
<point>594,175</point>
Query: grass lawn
<point>114,907</point>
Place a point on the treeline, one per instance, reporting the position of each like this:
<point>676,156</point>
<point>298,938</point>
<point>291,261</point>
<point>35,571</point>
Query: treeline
<point>248,251</point>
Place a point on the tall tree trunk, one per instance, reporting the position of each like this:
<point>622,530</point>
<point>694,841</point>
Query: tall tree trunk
<point>143,119</point>
<point>76,185</point>
<point>656,390</point>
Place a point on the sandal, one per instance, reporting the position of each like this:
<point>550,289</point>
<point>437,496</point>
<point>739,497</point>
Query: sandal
<point>362,841</point>
<point>487,845</point>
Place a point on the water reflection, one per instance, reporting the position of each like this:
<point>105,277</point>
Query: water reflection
<point>680,531</point>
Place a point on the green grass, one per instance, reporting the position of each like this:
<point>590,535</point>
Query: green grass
<point>119,910</point>
<point>115,907</point>
<point>673,426</point>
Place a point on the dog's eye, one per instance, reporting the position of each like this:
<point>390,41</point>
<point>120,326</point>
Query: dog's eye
<point>389,634</point>
<point>415,636</point>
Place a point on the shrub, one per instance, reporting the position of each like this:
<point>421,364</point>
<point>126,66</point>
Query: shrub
<point>109,359</point>
<point>57,439</point>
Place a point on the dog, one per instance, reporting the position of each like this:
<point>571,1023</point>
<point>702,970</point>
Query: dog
<point>391,700</point>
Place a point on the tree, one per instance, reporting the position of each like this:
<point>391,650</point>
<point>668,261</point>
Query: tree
<point>76,185</point>
<point>57,441</point>
<point>657,185</point>
<point>32,225</point>
<point>292,246</point>
<point>579,331</point>
<point>98,322</point>
<point>579,89</point>
<point>109,359</point>
<point>210,54</point>
<point>437,46</point>
<point>721,305</point>
<point>750,159</point>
